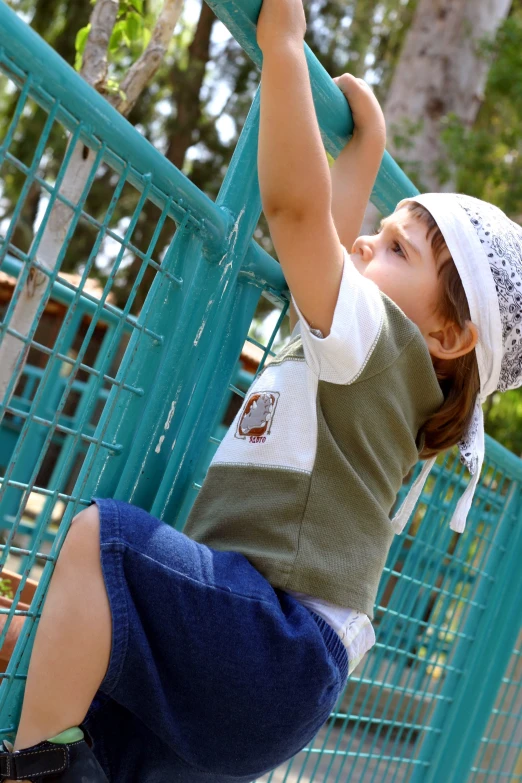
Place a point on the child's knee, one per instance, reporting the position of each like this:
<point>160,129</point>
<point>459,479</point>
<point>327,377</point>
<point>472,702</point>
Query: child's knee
<point>89,518</point>
<point>82,542</point>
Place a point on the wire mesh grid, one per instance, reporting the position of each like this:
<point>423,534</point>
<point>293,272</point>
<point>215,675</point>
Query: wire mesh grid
<point>93,375</point>
<point>62,335</point>
<point>77,380</point>
<point>499,757</point>
<point>70,339</point>
<point>430,602</point>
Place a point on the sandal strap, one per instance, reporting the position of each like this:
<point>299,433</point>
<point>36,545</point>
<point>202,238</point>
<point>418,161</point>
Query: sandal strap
<point>34,763</point>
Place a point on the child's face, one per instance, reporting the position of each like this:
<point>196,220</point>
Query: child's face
<point>408,277</point>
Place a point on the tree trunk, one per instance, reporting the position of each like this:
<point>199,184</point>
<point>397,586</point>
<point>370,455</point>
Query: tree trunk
<point>186,88</point>
<point>14,349</point>
<point>30,299</point>
<point>442,70</point>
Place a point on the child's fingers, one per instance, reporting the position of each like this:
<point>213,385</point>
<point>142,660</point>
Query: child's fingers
<point>348,81</point>
<point>366,112</point>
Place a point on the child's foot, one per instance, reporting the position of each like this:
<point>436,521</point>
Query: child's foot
<point>67,758</point>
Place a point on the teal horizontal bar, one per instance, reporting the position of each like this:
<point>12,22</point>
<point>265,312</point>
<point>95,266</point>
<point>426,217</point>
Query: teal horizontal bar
<point>333,114</point>
<point>262,270</point>
<point>505,460</point>
<point>114,448</point>
<point>504,714</point>
<point>236,390</point>
<point>356,754</point>
<point>67,359</point>
<point>386,686</point>
<point>421,624</point>
<point>17,612</point>
<point>384,722</point>
<point>44,491</point>
<point>259,345</point>
<point>37,372</point>
<point>20,551</point>
<point>434,589</point>
<point>24,528</point>
<point>62,293</point>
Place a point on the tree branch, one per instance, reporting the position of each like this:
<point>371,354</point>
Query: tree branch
<point>94,62</point>
<point>140,73</point>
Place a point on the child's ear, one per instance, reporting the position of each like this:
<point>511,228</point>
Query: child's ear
<point>451,341</point>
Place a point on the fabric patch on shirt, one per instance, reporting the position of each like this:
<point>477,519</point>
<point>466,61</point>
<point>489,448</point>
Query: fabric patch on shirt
<point>258,415</point>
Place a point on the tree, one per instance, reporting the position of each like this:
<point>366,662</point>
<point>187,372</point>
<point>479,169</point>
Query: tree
<point>488,161</point>
<point>441,73</point>
<point>93,53</point>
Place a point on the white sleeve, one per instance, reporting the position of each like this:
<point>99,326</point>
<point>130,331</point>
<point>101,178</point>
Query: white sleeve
<point>356,326</point>
<point>296,330</point>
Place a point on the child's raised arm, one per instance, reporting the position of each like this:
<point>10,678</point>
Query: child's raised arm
<point>294,177</point>
<point>354,171</point>
<point>293,169</point>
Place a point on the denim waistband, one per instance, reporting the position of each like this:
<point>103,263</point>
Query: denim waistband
<point>333,644</point>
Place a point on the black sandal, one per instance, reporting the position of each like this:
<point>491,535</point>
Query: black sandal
<point>48,762</point>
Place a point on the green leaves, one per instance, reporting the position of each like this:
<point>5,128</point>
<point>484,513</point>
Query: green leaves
<point>6,588</point>
<point>488,156</point>
<point>81,40</point>
<point>132,31</point>
<point>134,26</point>
<point>504,419</point>
<point>119,36</point>
<point>136,31</point>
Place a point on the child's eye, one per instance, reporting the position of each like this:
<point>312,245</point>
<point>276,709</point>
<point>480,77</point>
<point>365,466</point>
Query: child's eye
<point>397,248</point>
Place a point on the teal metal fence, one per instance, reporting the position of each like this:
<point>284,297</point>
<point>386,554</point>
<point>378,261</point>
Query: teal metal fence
<point>439,697</point>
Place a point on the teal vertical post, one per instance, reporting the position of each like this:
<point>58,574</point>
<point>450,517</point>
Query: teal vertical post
<point>236,303</point>
<point>451,752</point>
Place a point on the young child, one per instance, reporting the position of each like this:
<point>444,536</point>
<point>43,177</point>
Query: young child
<point>267,598</point>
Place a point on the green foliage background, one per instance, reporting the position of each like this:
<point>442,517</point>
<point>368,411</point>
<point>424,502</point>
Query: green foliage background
<point>488,160</point>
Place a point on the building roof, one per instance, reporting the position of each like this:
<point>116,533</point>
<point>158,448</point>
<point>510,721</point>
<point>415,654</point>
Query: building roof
<point>91,286</point>
<point>252,352</point>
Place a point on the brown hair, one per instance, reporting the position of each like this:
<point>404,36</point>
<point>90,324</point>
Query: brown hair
<point>458,378</point>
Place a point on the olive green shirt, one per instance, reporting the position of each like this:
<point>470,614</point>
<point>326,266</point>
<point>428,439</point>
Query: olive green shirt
<point>305,478</point>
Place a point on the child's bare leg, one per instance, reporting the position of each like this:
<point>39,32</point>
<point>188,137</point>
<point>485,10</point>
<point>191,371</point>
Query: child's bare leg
<point>73,642</point>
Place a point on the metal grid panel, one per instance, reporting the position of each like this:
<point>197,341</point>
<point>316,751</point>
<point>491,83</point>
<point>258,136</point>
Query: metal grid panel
<point>88,399</point>
<point>42,416</point>
<point>431,601</point>
<point>499,757</point>
<point>57,398</point>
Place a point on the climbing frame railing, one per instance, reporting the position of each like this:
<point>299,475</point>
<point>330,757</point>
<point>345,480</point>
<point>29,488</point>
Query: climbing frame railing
<point>128,403</point>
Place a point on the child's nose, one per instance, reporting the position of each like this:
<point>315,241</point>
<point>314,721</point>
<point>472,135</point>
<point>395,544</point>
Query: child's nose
<point>363,246</point>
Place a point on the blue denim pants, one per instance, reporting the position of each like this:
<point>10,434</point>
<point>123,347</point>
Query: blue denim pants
<point>214,676</point>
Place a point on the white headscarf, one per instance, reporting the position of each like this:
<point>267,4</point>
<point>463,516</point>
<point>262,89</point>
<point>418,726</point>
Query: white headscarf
<point>486,247</point>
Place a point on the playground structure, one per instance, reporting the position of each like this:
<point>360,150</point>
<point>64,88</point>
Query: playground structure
<point>439,698</point>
